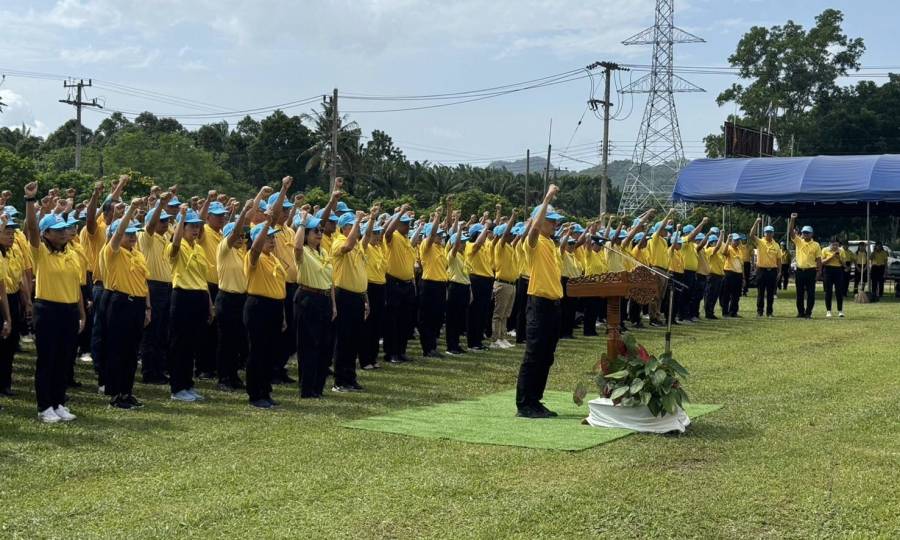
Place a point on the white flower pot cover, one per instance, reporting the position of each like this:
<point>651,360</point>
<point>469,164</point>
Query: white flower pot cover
<point>603,413</point>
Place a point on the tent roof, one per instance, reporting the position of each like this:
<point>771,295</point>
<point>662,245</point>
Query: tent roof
<point>838,183</point>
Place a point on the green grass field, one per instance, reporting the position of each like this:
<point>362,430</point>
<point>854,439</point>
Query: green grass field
<point>807,445</point>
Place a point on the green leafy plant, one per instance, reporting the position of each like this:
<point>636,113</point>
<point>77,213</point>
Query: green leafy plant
<point>637,378</point>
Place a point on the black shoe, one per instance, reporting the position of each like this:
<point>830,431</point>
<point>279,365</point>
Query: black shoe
<point>158,379</point>
<point>638,324</point>
<point>355,387</point>
<point>74,384</point>
<point>434,354</point>
<point>120,403</point>
<point>656,324</point>
<point>133,401</point>
<point>206,376</point>
<point>736,316</point>
<point>7,392</point>
<point>530,412</point>
<point>567,336</point>
<point>261,404</point>
<point>404,358</point>
<point>769,315</point>
<point>591,334</point>
<point>273,402</point>
<point>712,318</point>
<point>801,316</point>
<point>455,352</point>
<point>540,407</point>
<point>341,389</point>
<point>310,396</point>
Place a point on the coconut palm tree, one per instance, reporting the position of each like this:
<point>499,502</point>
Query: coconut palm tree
<point>318,155</point>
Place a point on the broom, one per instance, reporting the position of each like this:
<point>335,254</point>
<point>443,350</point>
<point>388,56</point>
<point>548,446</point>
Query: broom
<point>863,296</point>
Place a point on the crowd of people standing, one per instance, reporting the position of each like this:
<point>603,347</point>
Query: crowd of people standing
<point>207,287</point>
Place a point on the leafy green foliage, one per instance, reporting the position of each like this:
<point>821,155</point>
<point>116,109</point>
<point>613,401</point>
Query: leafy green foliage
<point>636,378</point>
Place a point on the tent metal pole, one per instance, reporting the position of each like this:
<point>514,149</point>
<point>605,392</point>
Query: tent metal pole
<point>868,262</point>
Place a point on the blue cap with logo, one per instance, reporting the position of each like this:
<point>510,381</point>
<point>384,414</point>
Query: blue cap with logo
<point>190,218</point>
<point>552,214</point>
<point>713,238</point>
<point>342,207</point>
<point>258,229</point>
<point>311,222</point>
<point>637,238</point>
<point>174,202</point>
<point>274,197</point>
<point>346,220</point>
<point>735,236</point>
<point>688,229</point>
<point>454,236</point>
<point>699,237</point>
<point>52,222</point>
<point>217,209</point>
<point>806,229</point>
<point>714,230</point>
<point>331,217</point>
<point>476,229</point>
<point>10,211</point>
<point>500,230</point>
<point>163,216</point>
<point>131,228</point>
<point>768,229</point>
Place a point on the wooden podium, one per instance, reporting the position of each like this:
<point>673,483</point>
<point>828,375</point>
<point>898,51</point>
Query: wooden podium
<point>641,285</point>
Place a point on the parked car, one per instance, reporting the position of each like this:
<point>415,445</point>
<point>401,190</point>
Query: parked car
<point>893,266</point>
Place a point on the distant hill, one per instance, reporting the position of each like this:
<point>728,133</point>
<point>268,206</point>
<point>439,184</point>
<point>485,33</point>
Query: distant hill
<point>618,169</point>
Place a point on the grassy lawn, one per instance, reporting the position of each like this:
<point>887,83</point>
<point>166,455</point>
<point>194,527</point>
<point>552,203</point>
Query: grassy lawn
<point>807,445</point>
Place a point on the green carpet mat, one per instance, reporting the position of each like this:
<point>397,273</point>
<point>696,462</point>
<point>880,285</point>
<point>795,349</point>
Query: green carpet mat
<point>491,420</point>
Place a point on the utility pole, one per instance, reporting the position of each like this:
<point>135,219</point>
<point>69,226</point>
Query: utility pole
<point>549,146</point>
<point>334,137</point>
<point>608,68</point>
<point>78,104</point>
<point>527,174</point>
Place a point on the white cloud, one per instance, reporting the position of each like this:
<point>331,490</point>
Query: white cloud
<point>193,65</point>
<point>18,112</point>
<point>130,56</point>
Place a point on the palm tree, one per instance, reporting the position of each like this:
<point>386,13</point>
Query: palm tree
<point>318,155</point>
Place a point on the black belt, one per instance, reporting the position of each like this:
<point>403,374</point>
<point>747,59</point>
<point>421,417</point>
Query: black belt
<point>392,278</point>
<point>507,282</point>
<point>129,297</point>
<point>324,292</point>
<point>349,291</point>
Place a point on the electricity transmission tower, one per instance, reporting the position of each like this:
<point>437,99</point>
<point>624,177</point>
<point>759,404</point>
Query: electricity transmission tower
<point>658,153</point>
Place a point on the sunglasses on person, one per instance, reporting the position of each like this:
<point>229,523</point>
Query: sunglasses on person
<point>318,230</point>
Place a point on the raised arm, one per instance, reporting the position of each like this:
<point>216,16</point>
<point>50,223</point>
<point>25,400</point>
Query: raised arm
<point>335,197</point>
<point>792,234</point>
<point>482,238</point>
<point>237,233</point>
<point>179,232</point>
<point>538,221</point>
<point>354,233</point>
<point>662,224</point>
<point>116,241</point>
<point>435,220</point>
<point>754,230</point>
<point>260,241</point>
<point>31,224</point>
<point>300,237</point>
<point>91,222</point>
<point>393,223</point>
<point>696,231</point>
<point>507,235</point>
<point>204,210</point>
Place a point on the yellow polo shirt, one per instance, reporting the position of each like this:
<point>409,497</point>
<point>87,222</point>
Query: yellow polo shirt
<point>702,261</point>
<point>315,271</point>
<point>210,241</point>
<point>284,250</point>
<point>327,240</point>
<point>834,263</point>
<point>56,274</point>
<point>82,258</point>
<point>375,263</point>
<point>658,250</point>
<point>733,261</point>
<point>126,270</point>
<point>716,261</point>
<point>25,249</point>
<point>400,259</point>
<point>456,268</point>
<point>569,265</point>
<point>478,262</point>
<point>768,253</point>
<point>350,267</point>
<point>230,266</point>
<point>745,253</point>
<point>15,268</point>
<point>689,256</point>
<point>522,259</point>
<point>615,261</point>
<point>676,260</point>
<point>434,261</point>
<point>266,277</point>
<point>153,246</point>
<point>93,243</point>
<point>879,258</point>
<point>807,253</point>
<point>505,267</point>
<point>595,262</point>
<point>544,268</point>
<point>189,267</point>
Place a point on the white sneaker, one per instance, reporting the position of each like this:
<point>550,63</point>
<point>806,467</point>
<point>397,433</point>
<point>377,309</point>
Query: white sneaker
<point>511,333</point>
<point>196,394</point>
<point>183,395</point>
<point>496,345</point>
<point>507,344</point>
<point>86,358</point>
<point>48,416</point>
<point>63,413</point>
<point>827,314</point>
<point>101,389</point>
<point>841,314</point>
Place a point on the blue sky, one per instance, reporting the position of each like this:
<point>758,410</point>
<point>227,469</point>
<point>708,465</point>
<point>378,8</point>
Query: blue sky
<point>236,55</point>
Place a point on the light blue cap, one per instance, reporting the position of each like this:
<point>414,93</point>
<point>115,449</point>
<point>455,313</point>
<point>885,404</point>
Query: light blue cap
<point>699,237</point>
<point>342,207</point>
<point>226,230</point>
<point>311,222</point>
<point>735,236</point>
<point>345,220</point>
<point>191,218</point>
<point>10,211</point>
<point>623,234</point>
<point>637,238</point>
<point>331,217</point>
<point>72,220</point>
<point>654,228</point>
<point>714,230</point>
<point>426,230</point>
<point>174,202</point>
<point>217,209</point>
<point>577,229</point>
<point>163,215</point>
<point>552,214</point>
<point>12,224</point>
<point>476,229</point>
<point>807,229</point>
<point>52,222</point>
<point>454,236</point>
<point>262,206</point>
<point>768,229</point>
<point>688,229</point>
<point>713,238</point>
<point>274,197</point>
<point>82,215</point>
<point>132,228</point>
<point>500,230</point>
<point>406,218</point>
<point>258,228</point>
<point>743,236</point>
<point>676,239</point>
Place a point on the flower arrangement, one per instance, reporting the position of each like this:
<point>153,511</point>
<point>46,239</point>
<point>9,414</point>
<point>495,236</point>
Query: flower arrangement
<point>635,377</point>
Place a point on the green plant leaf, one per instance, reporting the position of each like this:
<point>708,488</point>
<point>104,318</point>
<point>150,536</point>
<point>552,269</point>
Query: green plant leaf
<point>636,386</point>
<point>654,407</point>
<point>645,397</point>
<point>651,366</point>
<point>658,377</point>
<point>618,375</point>
<point>679,369</point>
<point>669,403</point>
<point>618,392</point>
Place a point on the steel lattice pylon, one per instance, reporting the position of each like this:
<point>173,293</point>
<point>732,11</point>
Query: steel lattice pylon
<point>658,154</point>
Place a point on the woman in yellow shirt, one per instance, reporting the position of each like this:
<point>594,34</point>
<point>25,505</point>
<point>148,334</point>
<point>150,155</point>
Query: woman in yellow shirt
<point>734,277</point>
<point>481,275</point>
<point>126,308</point>
<point>433,291</point>
<point>714,247</point>
<point>13,266</point>
<point>373,245</point>
<point>152,242</point>
<point>458,290</point>
<point>58,311</point>
<point>833,270</point>
<point>314,305</point>
<point>263,312</point>
<point>191,307</point>
<point>232,348</point>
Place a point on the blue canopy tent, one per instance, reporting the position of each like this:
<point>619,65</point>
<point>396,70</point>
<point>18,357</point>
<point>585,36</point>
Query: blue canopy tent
<point>820,185</point>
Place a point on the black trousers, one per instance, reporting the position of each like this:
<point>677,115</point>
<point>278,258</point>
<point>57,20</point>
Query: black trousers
<point>683,296</point>
<point>541,337</point>
<point>373,328</point>
<point>785,276</point>
<point>231,346</point>
<point>400,315</point>
<point>634,312</point>
<point>592,311</point>
<point>697,294</point>
<point>432,307</point>
<point>188,316</point>
<point>805,281</point>
<point>206,363</point>
<point>457,306</point>
<point>713,292</point>
<point>878,280</point>
<point>315,340</point>
<point>55,338</point>
<point>569,306</point>
<point>351,310</point>
<point>84,338</point>
<point>731,293</point>
<point>97,332</point>
<point>522,301</point>
<point>123,325</point>
<point>765,289</point>
<point>263,318</point>
<point>154,353</point>
<point>834,286</point>
<point>746,277</point>
<point>479,309</point>
<point>846,283</point>
<point>288,338</point>
<point>9,345</point>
